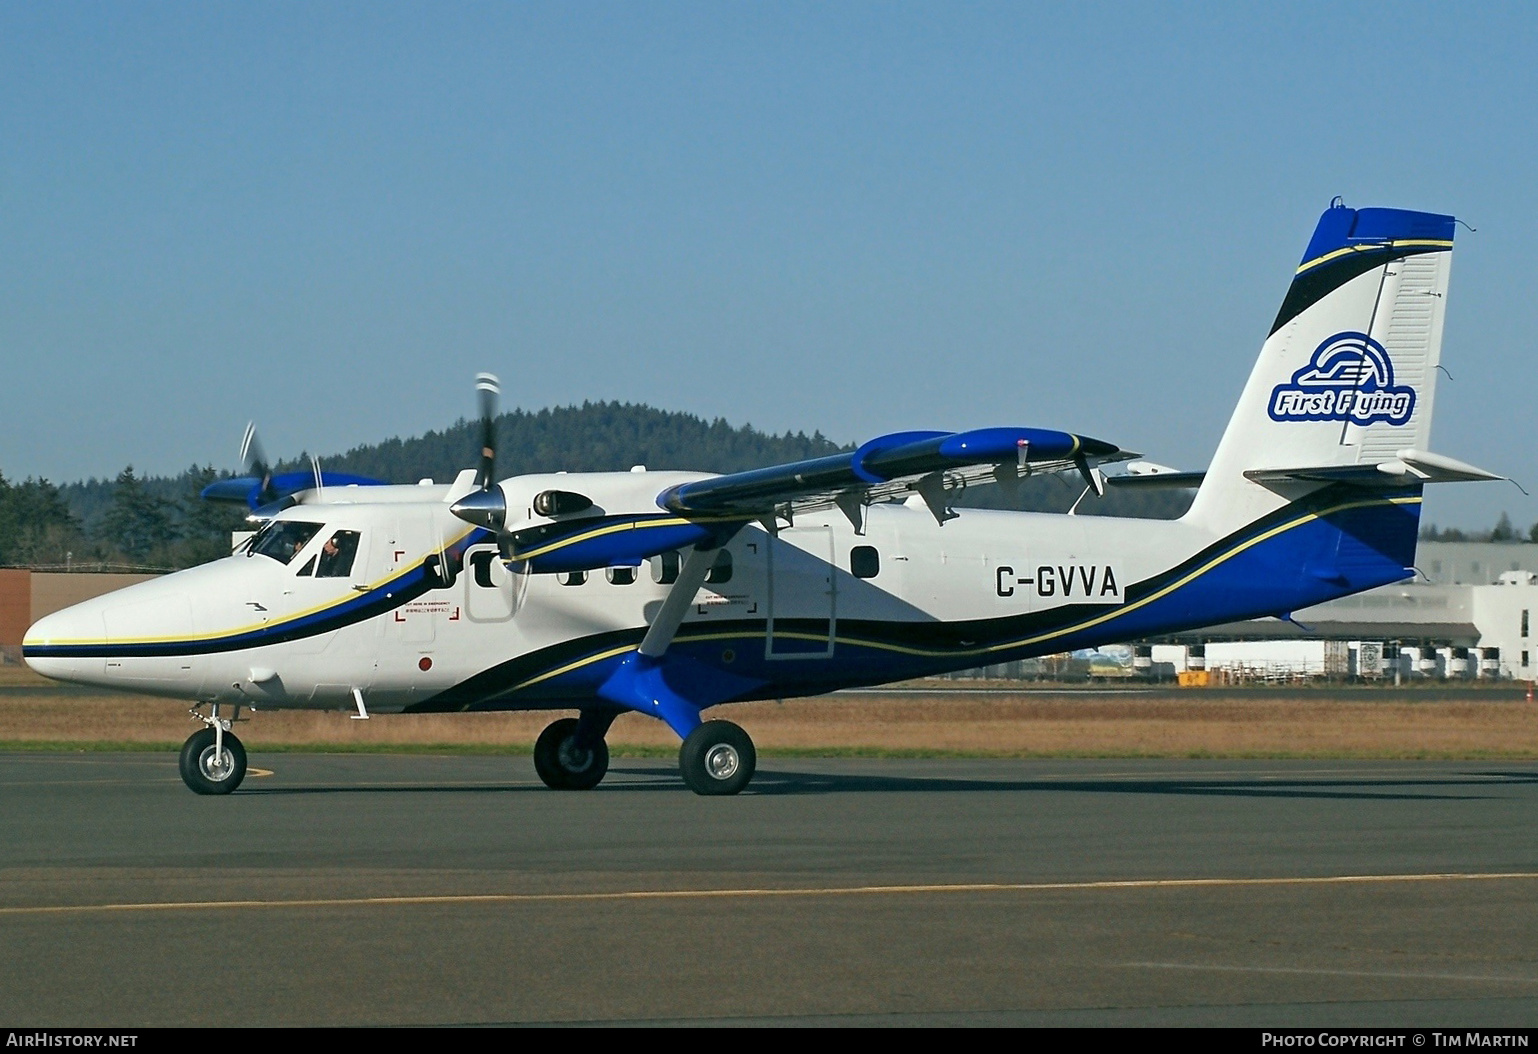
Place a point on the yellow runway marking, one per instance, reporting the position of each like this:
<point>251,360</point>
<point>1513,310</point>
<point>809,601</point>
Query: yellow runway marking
<point>1394,974</point>
<point>746,894</point>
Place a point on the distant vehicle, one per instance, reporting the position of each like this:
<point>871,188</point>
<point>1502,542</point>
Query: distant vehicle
<point>669,593</point>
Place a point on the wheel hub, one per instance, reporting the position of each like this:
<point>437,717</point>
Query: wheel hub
<point>572,757</point>
<point>721,761</point>
<point>216,765</point>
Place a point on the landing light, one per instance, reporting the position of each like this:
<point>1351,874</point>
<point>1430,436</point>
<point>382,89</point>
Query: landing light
<point>560,502</point>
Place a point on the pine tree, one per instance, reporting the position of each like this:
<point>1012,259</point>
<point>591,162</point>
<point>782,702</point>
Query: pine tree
<point>138,523</point>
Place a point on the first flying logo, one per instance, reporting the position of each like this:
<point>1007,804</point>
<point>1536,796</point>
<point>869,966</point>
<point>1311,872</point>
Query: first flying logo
<point>1348,378</point>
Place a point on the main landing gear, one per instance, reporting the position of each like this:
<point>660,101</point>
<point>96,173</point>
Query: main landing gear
<point>567,760</point>
<point>716,758</point>
<point>213,760</point>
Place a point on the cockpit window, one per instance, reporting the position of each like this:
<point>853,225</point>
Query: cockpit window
<point>282,539</point>
<point>336,556</point>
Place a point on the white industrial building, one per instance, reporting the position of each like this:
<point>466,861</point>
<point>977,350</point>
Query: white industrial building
<point>1467,613</point>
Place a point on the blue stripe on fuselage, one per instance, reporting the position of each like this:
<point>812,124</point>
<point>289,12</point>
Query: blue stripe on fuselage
<point>1341,541</point>
<point>392,593</point>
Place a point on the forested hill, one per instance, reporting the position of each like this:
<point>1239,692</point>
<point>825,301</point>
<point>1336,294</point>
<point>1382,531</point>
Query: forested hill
<point>593,437</point>
<point>159,521</point>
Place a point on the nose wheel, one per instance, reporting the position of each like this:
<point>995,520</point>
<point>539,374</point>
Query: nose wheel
<point>563,764</point>
<point>213,761</point>
<point>717,758</point>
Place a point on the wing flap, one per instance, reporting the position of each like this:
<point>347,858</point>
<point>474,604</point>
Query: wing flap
<point>890,466</point>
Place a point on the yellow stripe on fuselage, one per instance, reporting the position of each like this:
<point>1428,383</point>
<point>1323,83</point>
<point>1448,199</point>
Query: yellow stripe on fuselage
<point>325,605</point>
<point>988,649</point>
<point>613,528</point>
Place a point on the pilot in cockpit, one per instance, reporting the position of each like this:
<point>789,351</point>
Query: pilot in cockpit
<point>337,554</point>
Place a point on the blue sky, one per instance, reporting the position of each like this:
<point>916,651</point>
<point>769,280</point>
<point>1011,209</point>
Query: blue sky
<point>854,218</point>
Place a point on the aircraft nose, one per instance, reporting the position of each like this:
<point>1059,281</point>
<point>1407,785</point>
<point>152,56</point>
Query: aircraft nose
<point>56,645</point>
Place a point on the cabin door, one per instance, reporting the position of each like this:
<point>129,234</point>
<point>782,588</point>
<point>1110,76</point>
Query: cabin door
<point>802,594</point>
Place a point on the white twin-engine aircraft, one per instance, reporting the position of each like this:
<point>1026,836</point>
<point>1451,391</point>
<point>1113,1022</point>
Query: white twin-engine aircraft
<point>669,593</point>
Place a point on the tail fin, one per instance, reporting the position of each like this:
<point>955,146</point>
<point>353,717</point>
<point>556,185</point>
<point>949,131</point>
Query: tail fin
<point>1348,374</point>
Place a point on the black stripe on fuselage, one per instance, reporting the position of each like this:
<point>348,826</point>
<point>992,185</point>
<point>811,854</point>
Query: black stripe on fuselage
<point>949,642</point>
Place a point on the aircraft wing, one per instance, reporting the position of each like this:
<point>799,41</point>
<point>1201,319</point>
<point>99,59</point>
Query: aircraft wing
<point>931,464</point>
<point>256,491</point>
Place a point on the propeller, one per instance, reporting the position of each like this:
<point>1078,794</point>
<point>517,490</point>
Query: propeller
<point>266,493</point>
<point>487,389</point>
<point>485,506</point>
<point>254,462</point>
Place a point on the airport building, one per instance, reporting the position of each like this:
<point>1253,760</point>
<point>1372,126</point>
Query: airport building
<point>1471,611</point>
<point>26,596</point>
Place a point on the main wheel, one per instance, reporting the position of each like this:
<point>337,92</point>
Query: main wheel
<point>209,771</point>
<point>717,758</point>
<point>562,764</point>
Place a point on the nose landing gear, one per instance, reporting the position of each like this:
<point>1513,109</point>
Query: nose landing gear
<point>213,761</point>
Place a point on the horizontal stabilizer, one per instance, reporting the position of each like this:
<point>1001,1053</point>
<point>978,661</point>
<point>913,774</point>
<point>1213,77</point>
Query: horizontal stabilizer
<point>1157,481</point>
<point>1407,467</point>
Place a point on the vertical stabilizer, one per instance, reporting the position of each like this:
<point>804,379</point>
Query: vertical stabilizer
<point>1348,373</point>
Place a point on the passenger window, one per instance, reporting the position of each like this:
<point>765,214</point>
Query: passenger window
<point>721,570</point>
<point>573,578</point>
<point>864,561</point>
<point>620,576</point>
<point>665,567</point>
<point>337,555</point>
<point>282,539</point>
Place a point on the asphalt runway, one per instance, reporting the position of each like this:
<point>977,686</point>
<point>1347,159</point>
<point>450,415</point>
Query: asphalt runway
<point>376,889</point>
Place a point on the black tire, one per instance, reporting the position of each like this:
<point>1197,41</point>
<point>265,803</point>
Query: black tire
<point>199,770</point>
<point>561,765</point>
<point>717,758</point>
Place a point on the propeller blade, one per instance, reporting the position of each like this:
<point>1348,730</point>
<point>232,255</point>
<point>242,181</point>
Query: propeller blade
<point>485,506</point>
<point>487,389</point>
<point>254,461</point>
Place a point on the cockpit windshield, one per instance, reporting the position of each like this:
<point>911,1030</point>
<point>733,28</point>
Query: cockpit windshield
<point>282,539</point>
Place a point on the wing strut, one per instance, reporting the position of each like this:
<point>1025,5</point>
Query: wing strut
<point>674,688</point>
<point>665,626</point>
